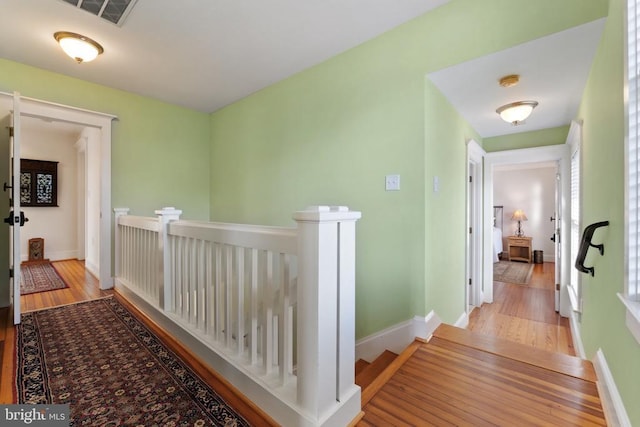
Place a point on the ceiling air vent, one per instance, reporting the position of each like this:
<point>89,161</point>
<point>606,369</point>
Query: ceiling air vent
<point>114,11</point>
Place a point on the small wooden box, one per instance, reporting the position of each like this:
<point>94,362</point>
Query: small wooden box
<point>36,250</point>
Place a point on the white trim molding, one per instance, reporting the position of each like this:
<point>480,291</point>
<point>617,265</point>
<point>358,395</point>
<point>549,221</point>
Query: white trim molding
<point>31,107</point>
<point>632,316</point>
<point>397,337</point>
<point>474,242</point>
<point>463,321</point>
<point>614,410</point>
<point>575,334</point>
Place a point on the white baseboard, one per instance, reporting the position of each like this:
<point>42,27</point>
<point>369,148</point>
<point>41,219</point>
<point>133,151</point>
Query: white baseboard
<point>93,269</point>
<point>614,409</point>
<point>397,337</point>
<point>575,334</point>
<point>55,256</point>
<point>463,321</point>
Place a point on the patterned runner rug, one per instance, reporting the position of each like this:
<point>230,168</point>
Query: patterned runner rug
<point>512,272</point>
<point>40,278</point>
<point>100,359</point>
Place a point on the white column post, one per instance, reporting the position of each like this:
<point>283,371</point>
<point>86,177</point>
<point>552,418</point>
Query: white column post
<point>326,311</point>
<point>118,212</point>
<point>165,216</point>
<point>346,302</point>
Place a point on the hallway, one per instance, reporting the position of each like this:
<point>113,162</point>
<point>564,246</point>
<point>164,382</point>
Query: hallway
<point>525,314</point>
<point>82,287</point>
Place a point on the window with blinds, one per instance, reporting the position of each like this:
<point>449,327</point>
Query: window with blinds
<point>632,151</point>
<point>630,298</point>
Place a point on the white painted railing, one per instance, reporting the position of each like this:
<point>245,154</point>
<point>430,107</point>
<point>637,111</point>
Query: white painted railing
<point>276,304</point>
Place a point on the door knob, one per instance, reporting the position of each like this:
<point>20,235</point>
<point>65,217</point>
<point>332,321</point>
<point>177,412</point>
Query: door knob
<point>13,219</point>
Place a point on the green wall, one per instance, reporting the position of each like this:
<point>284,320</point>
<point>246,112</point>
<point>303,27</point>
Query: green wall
<point>531,139</point>
<point>446,134</point>
<point>603,321</point>
<point>159,151</point>
<point>330,134</point>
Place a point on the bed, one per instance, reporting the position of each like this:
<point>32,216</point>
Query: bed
<point>497,232</point>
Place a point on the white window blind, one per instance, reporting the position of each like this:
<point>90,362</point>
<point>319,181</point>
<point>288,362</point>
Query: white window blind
<point>633,163</point>
<point>630,298</point>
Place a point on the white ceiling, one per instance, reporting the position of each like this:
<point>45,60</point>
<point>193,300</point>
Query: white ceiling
<point>201,54</point>
<point>207,54</point>
<point>553,71</point>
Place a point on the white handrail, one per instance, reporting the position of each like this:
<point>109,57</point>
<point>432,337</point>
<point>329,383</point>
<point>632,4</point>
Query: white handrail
<point>276,303</point>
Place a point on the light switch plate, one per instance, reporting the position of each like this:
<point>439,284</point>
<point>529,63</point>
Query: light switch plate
<point>392,183</point>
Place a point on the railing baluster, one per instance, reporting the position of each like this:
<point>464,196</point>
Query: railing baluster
<point>208,295</point>
<point>218,293</point>
<point>240,310</point>
<point>193,295</point>
<point>200,287</point>
<point>285,335</point>
<point>267,335</point>
<point>146,258</point>
<point>171,307</point>
<point>180,277</point>
<point>229,296</point>
<point>253,334</point>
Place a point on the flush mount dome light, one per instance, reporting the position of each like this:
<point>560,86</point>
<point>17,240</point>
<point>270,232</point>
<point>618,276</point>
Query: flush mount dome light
<point>510,80</point>
<point>80,48</point>
<point>516,112</point>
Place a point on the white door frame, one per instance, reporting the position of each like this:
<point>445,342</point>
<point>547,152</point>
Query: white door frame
<point>560,153</point>
<point>475,230</point>
<point>42,109</point>
<point>14,239</point>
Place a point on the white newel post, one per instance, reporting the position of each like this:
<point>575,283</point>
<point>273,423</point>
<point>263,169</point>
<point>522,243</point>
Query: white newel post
<point>326,314</point>
<point>165,216</point>
<point>118,212</point>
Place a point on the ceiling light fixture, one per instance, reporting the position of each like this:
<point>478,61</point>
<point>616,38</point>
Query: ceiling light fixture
<point>509,81</point>
<point>80,48</point>
<point>516,112</point>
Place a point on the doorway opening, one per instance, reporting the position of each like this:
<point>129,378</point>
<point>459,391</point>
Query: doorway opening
<point>76,216</point>
<point>544,221</point>
<point>100,128</point>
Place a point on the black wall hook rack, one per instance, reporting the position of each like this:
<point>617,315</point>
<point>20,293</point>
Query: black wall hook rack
<point>585,243</point>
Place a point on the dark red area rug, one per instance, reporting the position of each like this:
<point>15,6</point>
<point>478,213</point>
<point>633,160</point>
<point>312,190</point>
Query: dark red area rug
<point>100,359</point>
<point>40,277</point>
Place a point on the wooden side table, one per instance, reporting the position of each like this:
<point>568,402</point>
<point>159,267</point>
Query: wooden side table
<point>519,248</point>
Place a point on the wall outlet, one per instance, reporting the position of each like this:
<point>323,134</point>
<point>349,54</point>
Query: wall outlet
<point>392,183</point>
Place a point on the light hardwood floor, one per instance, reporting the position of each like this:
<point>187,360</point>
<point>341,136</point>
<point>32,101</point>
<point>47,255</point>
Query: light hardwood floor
<point>526,314</point>
<point>462,378</point>
<point>83,286</point>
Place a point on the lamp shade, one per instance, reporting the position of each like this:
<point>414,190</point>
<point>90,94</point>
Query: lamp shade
<point>518,215</point>
<point>516,112</point>
<point>80,48</point>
